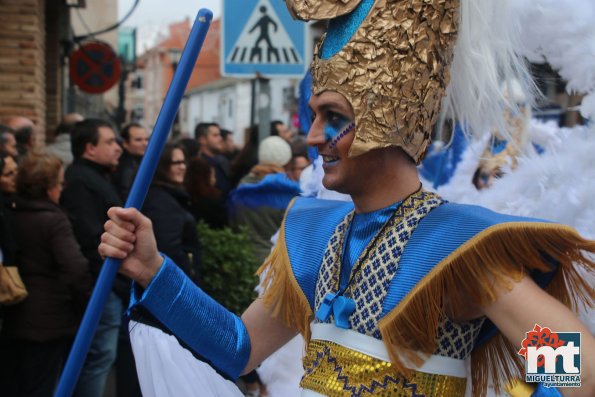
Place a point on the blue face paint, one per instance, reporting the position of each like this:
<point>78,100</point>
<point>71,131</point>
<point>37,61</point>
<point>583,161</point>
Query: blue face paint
<point>335,126</point>
<point>330,132</point>
<point>342,135</point>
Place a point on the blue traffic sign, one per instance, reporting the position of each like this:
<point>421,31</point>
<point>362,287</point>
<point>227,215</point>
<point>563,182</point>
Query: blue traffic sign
<point>259,36</point>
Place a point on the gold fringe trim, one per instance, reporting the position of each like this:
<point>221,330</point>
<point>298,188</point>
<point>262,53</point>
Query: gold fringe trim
<point>283,295</point>
<point>519,388</point>
<point>476,271</point>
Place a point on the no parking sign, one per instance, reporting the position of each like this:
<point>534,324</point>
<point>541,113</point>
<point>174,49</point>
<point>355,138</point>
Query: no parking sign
<point>95,67</point>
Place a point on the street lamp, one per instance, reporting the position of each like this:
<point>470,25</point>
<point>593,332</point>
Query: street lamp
<point>174,55</point>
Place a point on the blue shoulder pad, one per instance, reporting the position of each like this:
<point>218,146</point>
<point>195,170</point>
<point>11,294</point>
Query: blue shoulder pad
<point>439,234</point>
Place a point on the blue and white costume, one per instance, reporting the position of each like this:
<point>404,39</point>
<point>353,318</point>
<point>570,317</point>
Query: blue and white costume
<point>399,339</point>
<point>374,295</point>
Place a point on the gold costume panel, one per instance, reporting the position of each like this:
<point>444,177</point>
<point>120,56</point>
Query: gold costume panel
<point>336,371</point>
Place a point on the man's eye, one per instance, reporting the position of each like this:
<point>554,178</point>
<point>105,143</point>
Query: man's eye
<point>336,120</point>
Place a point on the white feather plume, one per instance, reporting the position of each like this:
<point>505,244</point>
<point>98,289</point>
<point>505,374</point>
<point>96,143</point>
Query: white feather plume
<point>485,55</point>
<point>562,32</point>
<point>556,185</point>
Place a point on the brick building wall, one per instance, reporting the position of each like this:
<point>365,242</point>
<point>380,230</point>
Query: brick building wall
<point>22,60</point>
<point>56,20</point>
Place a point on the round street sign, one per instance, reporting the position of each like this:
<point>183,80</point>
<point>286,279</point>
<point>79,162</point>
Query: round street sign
<point>95,67</point>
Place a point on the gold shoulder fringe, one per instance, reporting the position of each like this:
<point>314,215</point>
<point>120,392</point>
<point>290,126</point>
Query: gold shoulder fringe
<point>476,271</point>
<point>283,295</point>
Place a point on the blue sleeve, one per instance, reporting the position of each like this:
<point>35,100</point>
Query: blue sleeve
<point>206,327</point>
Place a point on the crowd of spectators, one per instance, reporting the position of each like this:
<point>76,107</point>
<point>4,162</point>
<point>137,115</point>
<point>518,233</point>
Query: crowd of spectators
<point>53,204</point>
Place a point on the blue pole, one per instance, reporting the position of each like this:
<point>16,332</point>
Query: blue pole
<point>136,198</point>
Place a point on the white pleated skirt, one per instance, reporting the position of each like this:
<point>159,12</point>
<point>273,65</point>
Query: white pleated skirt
<point>165,368</point>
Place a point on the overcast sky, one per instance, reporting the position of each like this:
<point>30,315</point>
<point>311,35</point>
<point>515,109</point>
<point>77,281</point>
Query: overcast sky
<point>163,12</point>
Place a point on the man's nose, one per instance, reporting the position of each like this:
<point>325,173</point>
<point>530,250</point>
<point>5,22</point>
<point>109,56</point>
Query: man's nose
<point>315,136</point>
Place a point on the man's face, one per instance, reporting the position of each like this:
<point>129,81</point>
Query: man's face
<point>107,151</point>
<point>284,132</point>
<point>11,144</point>
<point>332,133</point>
<point>137,142</point>
<point>8,178</point>
<point>213,141</point>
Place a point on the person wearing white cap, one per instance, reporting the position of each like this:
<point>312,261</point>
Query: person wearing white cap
<point>263,195</point>
<point>258,204</point>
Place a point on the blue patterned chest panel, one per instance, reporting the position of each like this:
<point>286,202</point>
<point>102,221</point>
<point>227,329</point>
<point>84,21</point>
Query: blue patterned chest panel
<point>309,225</point>
<point>372,282</point>
<point>437,235</point>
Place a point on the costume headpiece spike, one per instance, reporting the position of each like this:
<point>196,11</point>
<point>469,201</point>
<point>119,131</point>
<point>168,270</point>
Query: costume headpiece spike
<point>321,9</point>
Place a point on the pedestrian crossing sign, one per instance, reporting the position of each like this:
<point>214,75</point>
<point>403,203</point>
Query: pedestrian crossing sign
<point>260,37</point>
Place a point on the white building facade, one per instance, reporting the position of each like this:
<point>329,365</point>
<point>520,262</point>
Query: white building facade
<point>228,102</point>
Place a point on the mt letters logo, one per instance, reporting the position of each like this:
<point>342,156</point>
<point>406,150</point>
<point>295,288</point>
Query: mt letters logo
<point>552,358</point>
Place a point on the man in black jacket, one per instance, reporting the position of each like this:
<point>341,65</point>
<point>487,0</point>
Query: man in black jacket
<point>135,139</point>
<point>87,196</point>
<point>209,137</point>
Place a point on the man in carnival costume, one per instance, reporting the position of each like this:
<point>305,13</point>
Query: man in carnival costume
<point>393,291</point>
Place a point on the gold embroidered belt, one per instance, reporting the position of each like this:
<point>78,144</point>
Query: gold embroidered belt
<point>337,371</point>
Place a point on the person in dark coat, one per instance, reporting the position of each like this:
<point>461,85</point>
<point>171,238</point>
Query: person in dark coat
<point>209,137</point>
<point>8,176</point>
<point>207,201</point>
<point>168,206</point>
<point>247,157</point>
<point>87,196</point>
<point>263,195</point>
<point>38,332</point>
<point>135,139</point>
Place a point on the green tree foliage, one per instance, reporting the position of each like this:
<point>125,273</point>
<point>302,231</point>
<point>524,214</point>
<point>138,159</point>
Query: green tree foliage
<point>228,267</point>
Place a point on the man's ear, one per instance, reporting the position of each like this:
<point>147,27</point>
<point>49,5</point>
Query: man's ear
<point>90,149</point>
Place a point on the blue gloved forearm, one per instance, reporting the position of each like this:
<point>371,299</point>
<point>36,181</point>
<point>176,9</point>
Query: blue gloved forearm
<point>200,322</point>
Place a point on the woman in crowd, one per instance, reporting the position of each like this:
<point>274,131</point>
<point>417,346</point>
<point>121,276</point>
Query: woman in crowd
<point>168,206</point>
<point>207,201</point>
<point>37,333</point>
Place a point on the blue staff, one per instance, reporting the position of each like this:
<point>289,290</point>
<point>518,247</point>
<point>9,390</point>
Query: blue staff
<point>135,199</point>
